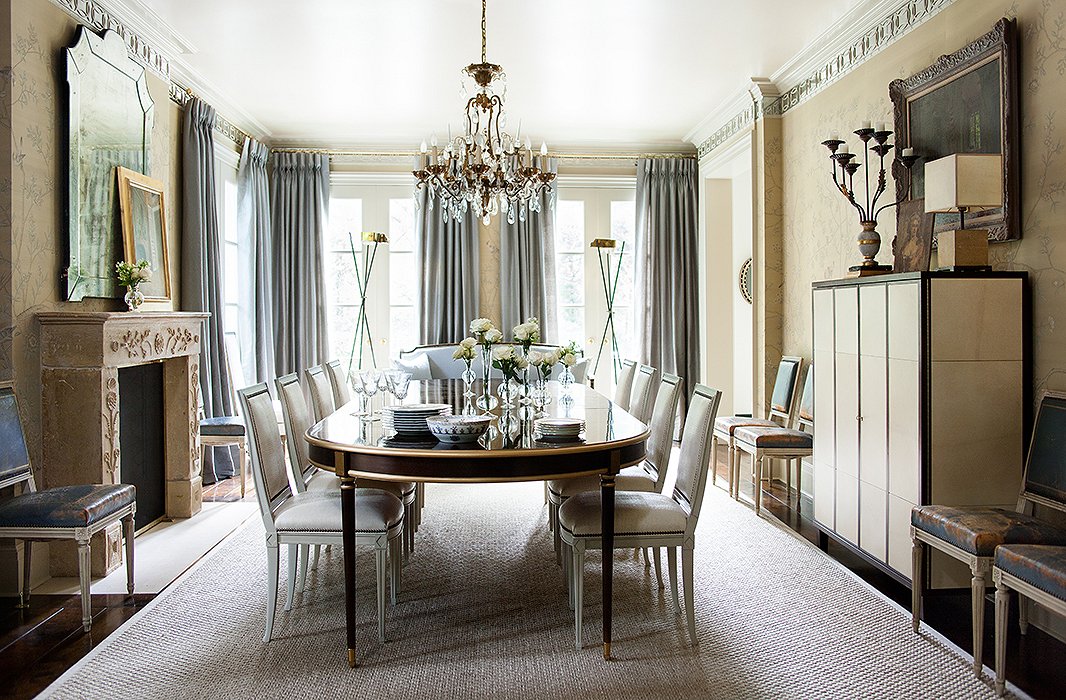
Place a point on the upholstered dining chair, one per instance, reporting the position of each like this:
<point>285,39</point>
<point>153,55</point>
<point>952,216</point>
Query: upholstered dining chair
<point>772,442</point>
<point>319,391</point>
<point>642,395</point>
<point>779,414</point>
<point>971,534</point>
<point>624,388</point>
<point>228,431</point>
<point>64,512</point>
<point>338,381</point>
<point>649,519</point>
<point>649,475</point>
<point>301,519</point>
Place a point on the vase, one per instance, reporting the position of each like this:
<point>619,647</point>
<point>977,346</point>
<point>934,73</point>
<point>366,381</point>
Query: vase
<point>540,396</point>
<point>468,376</point>
<point>133,298</point>
<point>486,402</point>
<point>507,391</point>
<point>566,380</point>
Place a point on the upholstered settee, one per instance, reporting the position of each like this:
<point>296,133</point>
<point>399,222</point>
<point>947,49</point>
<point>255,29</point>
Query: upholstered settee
<point>435,362</point>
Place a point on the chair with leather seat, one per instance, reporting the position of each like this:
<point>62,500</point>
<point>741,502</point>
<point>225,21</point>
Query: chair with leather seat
<point>773,442</point>
<point>303,519</point>
<point>649,519</point>
<point>228,431</point>
<point>779,415</point>
<point>971,534</point>
<point>63,512</point>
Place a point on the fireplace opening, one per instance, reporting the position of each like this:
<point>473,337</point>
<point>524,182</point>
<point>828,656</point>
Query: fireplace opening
<point>141,439</point>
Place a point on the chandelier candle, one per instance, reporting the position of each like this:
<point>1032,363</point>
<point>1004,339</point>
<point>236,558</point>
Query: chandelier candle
<point>844,166</point>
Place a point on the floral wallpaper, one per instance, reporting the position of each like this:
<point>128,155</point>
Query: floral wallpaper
<point>820,228</point>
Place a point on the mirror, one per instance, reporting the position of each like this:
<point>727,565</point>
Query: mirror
<point>110,126</point>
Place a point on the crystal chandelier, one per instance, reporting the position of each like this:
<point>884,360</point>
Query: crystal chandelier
<point>486,168</point>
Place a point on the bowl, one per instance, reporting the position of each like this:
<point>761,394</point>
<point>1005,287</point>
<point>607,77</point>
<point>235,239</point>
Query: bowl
<point>458,430</point>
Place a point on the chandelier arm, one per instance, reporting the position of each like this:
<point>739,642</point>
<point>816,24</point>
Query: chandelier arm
<point>484,34</point>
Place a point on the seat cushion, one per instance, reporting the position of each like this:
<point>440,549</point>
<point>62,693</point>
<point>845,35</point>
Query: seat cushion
<point>781,438</point>
<point>729,424</point>
<point>66,506</point>
<point>227,426</point>
<point>324,482</point>
<point>635,478</point>
<point>375,511</point>
<point>635,513</point>
<point>1039,565</point>
<point>980,530</point>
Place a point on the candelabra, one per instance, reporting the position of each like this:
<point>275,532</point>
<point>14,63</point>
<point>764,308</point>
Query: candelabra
<point>844,167</point>
<point>362,281</point>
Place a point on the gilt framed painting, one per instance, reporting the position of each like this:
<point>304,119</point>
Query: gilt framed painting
<point>144,229</point>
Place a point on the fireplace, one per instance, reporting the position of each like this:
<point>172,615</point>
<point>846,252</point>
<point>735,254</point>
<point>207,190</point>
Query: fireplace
<point>120,398</point>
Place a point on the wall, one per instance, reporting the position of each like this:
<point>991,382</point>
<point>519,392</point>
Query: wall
<point>819,227</point>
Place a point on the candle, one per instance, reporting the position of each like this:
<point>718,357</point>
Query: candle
<point>865,125</point>
<point>908,152</point>
<point>423,148</point>
<point>834,136</point>
<point>882,127</point>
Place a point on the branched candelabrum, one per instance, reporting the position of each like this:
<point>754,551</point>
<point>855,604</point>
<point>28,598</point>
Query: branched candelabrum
<point>844,167</point>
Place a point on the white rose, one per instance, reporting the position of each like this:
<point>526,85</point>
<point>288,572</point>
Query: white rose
<point>502,352</point>
<point>480,325</point>
<point>459,354</point>
<point>569,359</point>
<point>535,357</point>
<point>143,275</point>
<point>553,357</point>
<point>521,332</point>
<point>467,342</point>
<point>493,335</point>
<point>521,362</point>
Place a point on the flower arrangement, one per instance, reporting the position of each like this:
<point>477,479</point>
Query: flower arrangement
<point>509,361</point>
<point>568,354</point>
<point>544,361</point>
<point>525,334</point>
<point>465,351</point>
<point>132,274</point>
<point>485,332</point>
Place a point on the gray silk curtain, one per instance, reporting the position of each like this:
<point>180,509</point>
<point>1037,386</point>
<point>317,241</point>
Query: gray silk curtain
<point>299,209</point>
<point>527,266</point>
<point>666,277</point>
<point>448,266</point>
<point>256,265</point>
<point>201,276</point>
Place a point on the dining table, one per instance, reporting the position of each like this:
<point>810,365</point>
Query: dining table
<point>356,446</point>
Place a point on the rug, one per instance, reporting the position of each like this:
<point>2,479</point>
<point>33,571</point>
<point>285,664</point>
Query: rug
<point>483,613</point>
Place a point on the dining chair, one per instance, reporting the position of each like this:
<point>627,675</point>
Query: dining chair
<point>779,411</point>
<point>302,519</point>
<point>227,431</point>
<point>648,475</point>
<point>649,519</point>
<point>642,395</point>
<point>319,391</point>
<point>338,381</point>
<point>774,442</point>
<point>63,512</point>
<point>624,388</point>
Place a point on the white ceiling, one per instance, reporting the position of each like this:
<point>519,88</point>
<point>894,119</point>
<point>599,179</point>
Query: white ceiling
<point>597,73</point>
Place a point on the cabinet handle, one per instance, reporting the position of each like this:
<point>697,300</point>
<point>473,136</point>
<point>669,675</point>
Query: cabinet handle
<point>858,418</point>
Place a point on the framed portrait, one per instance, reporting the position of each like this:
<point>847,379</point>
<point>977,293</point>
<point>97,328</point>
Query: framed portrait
<point>144,229</point>
<point>966,102</point>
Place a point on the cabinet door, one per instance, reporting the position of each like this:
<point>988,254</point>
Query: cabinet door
<point>873,524</point>
<point>824,409</point>
<point>847,512</point>
<point>825,495</point>
<point>904,434</point>
<point>846,410</point>
<point>873,424</point>
<point>899,534</point>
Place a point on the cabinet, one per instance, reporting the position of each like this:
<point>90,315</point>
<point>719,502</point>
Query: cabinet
<point>922,395</point>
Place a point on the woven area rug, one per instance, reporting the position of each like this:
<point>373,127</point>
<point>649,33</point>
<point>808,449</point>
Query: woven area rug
<point>484,614</point>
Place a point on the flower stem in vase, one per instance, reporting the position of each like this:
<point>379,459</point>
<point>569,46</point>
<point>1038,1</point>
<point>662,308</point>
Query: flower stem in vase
<point>486,402</point>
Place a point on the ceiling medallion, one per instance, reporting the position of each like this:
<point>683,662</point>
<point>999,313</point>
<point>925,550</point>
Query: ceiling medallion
<point>485,169</point>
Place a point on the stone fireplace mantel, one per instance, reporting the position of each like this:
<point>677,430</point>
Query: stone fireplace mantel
<point>81,354</point>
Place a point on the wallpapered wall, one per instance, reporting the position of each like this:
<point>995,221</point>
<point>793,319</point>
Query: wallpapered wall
<point>820,227</point>
<point>34,97</point>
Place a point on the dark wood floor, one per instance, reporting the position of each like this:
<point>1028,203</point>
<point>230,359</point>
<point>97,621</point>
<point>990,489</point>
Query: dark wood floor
<point>37,645</point>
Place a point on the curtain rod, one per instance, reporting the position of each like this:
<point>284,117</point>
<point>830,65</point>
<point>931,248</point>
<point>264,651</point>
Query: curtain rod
<point>412,154</point>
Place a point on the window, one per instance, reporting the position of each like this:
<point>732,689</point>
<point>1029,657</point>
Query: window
<point>229,237</point>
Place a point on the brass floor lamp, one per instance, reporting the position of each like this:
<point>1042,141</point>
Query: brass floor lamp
<point>362,279</point>
<point>603,247</point>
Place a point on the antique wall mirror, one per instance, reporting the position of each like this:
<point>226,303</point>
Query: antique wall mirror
<point>110,126</point>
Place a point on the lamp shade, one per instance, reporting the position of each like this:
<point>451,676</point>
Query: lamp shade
<point>963,181</point>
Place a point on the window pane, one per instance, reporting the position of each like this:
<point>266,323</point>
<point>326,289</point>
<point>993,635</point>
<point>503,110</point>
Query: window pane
<point>229,207</point>
<point>623,218</point>
<point>341,332</point>
<point>403,329</point>
<point>403,279</point>
<point>401,224</point>
<point>623,324</point>
<point>623,295</point>
<point>570,278</point>
<point>345,216</point>
<point>569,226</point>
<point>230,321</point>
<point>572,325</point>
<point>230,290</point>
<point>341,285</point>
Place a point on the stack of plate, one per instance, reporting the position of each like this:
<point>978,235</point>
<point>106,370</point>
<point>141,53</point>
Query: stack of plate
<point>411,420</point>
<point>558,429</point>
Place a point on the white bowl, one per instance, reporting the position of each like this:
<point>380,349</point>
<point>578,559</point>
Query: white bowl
<point>458,430</point>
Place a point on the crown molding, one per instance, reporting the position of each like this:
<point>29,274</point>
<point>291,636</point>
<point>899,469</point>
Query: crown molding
<point>736,104</point>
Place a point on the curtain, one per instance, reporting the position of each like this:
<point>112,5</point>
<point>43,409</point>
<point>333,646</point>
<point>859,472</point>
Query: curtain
<point>201,276</point>
<point>254,251</point>
<point>527,266</point>
<point>299,199</point>
<point>665,264</point>
<point>448,267</point>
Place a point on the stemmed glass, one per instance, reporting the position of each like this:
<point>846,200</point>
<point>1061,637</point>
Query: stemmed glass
<point>360,391</point>
<point>371,378</point>
<point>399,383</point>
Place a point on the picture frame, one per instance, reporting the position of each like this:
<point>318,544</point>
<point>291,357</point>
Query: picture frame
<point>966,102</point>
<point>142,208</point>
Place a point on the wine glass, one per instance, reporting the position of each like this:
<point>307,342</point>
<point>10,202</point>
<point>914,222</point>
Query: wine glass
<point>401,382</point>
<point>360,392</point>
<point>371,379</point>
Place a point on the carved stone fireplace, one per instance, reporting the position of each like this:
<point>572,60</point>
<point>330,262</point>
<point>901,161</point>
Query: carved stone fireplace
<point>81,354</point>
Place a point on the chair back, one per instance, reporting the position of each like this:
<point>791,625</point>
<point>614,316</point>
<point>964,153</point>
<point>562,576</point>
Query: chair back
<point>642,397</point>
<point>695,456</point>
<point>624,388</point>
<point>320,391</point>
<point>1045,466</point>
<point>14,457</point>
<point>785,386</point>
<point>268,456</point>
<point>662,428</point>
<point>338,381</point>
<point>805,414</point>
<point>297,420</point>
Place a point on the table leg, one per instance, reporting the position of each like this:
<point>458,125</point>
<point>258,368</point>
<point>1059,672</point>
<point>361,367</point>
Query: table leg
<point>348,535</point>
<point>607,530</point>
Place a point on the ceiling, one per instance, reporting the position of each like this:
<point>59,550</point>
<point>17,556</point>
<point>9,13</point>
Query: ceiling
<point>597,73</point>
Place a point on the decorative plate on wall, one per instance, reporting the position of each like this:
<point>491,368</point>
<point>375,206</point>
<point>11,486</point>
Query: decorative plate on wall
<point>744,280</point>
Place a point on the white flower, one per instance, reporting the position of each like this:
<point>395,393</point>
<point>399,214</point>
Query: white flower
<point>143,275</point>
<point>467,342</point>
<point>521,362</point>
<point>492,335</point>
<point>459,354</point>
<point>502,352</point>
<point>569,359</point>
<point>535,357</point>
<point>521,332</point>
<point>480,325</point>
<point>552,358</point>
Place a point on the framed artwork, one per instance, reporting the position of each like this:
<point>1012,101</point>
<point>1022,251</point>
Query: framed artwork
<point>966,102</point>
<point>913,243</point>
<point>144,229</point>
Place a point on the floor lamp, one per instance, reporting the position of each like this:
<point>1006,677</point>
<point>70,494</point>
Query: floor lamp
<point>603,247</point>
<point>362,279</point>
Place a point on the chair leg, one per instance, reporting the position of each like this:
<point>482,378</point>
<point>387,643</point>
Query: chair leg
<point>1002,608</point>
<point>290,580</point>
<point>272,589</point>
<point>658,566</point>
<point>568,568</point>
<point>27,562</point>
<point>978,602</point>
<point>318,552</point>
<point>1023,614</point>
<point>647,558</point>
<point>545,491</point>
<point>758,463</point>
<point>686,573</point>
<point>406,532</point>
<point>799,484</point>
<point>788,480</point>
<point>412,525</point>
<point>305,564</point>
<point>714,460</point>
<point>555,533</point>
<point>128,523</point>
<point>578,566</point>
<point>394,561</point>
<point>242,448</point>
<point>84,574</point>
<point>734,470</point>
<point>379,558</point>
<point>917,579</point>
<point>671,563</point>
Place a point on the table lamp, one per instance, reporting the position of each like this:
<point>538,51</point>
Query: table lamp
<point>958,183</point>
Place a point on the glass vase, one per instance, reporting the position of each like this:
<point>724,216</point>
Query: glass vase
<point>566,380</point>
<point>508,391</point>
<point>468,376</point>
<point>540,396</point>
<point>133,299</point>
<point>486,402</point>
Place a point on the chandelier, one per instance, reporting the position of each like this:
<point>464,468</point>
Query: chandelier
<point>485,169</point>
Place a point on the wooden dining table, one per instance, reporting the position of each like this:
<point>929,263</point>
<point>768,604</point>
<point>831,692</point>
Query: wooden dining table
<point>353,446</point>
